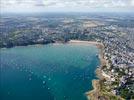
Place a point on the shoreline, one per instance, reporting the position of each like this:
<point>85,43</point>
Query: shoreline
<point>94,93</point>
<point>57,43</point>
<point>91,94</point>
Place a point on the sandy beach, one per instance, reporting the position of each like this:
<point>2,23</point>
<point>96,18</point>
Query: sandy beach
<point>98,44</point>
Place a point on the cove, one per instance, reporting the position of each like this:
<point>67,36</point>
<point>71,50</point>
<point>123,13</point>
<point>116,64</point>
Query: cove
<point>48,72</point>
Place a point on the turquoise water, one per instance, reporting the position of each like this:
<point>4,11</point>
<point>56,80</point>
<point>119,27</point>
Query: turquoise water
<point>47,72</point>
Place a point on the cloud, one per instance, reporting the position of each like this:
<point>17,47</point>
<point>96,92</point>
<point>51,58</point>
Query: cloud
<point>65,4</point>
<point>132,2</point>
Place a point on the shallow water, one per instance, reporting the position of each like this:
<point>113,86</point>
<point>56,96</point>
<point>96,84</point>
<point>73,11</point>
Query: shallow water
<point>47,72</point>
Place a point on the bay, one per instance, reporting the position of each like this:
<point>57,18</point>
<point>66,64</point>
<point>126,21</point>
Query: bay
<point>47,72</point>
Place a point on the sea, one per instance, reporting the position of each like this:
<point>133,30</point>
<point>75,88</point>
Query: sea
<point>48,72</point>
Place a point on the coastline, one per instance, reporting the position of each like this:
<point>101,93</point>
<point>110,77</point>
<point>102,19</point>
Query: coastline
<point>95,93</point>
<point>94,43</point>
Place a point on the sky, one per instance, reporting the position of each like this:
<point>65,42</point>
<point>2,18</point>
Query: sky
<point>30,6</point>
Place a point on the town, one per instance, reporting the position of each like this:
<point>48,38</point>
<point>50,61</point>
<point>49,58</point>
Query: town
<point>115,31</point>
